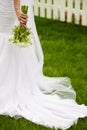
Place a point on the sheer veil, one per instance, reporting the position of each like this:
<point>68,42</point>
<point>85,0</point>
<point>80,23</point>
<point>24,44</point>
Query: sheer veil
<point>60,86</point>
<point>31,24</point>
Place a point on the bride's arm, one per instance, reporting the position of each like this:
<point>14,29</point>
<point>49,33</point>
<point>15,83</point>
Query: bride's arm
<point>21,16</point>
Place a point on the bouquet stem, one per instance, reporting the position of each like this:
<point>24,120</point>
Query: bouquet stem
<point>24,9</point>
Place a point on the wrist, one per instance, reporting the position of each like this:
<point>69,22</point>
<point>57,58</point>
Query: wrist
<point>17,10</point>
<point>18,13</point>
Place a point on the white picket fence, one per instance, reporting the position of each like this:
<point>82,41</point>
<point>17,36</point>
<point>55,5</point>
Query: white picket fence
<point>64,10</point>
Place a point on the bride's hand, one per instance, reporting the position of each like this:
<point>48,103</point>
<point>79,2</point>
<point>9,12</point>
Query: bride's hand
<point>23,18</point>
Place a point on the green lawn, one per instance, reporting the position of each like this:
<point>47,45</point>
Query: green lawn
<point>65,54</point>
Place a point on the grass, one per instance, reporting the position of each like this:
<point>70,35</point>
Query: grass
<point>65,54</point>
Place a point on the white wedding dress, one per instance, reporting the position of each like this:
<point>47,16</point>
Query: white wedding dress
<point>24,90</point>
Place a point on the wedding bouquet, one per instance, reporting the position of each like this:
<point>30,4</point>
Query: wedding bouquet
<point>21,35</point>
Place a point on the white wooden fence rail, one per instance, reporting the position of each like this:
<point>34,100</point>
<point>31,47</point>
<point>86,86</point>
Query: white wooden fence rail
<point>64,10</point>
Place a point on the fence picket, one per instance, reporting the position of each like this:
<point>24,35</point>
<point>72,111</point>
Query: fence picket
<point>77,11</point>
<point>69,11</point>
<point>84,14</point>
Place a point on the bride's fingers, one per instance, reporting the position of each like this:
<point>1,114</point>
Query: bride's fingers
<point>23,20</point>
<point>25,16</point>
